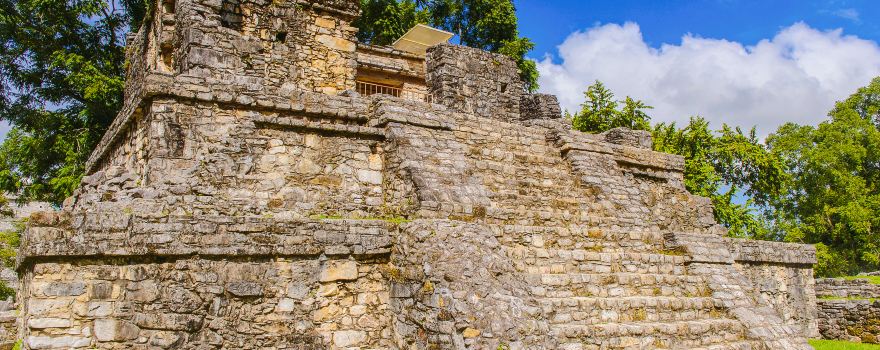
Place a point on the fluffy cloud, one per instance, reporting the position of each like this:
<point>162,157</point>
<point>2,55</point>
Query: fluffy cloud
<point>795,76</point>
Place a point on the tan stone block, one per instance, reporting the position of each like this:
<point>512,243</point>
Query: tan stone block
<point>339,271</point>
<point>115,330</point>
<point>336,43</point>
<point>470,333</point>
<point>324,22</point>
<point>348,338</point>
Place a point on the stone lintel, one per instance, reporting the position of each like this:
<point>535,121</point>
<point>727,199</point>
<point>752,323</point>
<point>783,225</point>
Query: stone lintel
<point>119,234</point>
<point>629,155</point>
<point>752,251</point>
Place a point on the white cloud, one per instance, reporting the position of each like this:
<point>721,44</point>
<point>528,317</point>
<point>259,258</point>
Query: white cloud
<point>795,76</point>
<point>850,14</point>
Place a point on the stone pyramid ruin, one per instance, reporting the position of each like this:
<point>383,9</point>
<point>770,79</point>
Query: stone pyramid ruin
<point>271,183</point>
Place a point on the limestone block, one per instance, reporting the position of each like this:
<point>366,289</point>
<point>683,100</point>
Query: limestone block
<point>339,271</point>
<point>244,289</point>
<point>115,330</point>
<point>64,289</point>
<point>58,342</point>
<point>49,322</point>
<point>348,338</point>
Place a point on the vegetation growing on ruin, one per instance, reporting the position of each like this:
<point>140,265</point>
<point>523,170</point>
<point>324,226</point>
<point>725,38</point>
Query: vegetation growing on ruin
<point>9,242</point>
<point>826,297</point>
<point>870,279</point>
<point>841,345</point>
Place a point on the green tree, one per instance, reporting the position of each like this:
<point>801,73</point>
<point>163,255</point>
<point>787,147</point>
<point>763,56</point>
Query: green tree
<point>600,112</point>
<point>486,24</point>
<point>384,21</point>
<point>723,165</point>
<point>831,197</point>
<point>62,68</point>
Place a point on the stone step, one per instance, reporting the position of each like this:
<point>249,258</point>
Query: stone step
<point>591,310</point>
<point>740,345</point>
<point>564,261</point>
<point>580,237</point>
<point>617,285</point>
<point>649,344</point>
<point>541,156</point>
<point>529,215</point>
<point>680,334</point>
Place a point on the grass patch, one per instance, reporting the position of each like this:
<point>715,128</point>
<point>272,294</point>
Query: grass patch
<point>841,345</point>
<point>871,279</point>
<point>671,252</point>
<point>847,298</point>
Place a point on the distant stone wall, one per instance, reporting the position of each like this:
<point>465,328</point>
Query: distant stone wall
<point>846,288</point>
<point>849,309</point>
<point>850,320</point>
<point>8,308</point>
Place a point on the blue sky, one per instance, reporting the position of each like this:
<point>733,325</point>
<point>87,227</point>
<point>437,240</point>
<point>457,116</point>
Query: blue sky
<point>745,63</point>
<point>548,22</point>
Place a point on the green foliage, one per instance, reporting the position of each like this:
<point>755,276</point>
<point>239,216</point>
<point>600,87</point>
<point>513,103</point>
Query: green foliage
<point>600,112</point>
<point>384,21</point>
<point>9,243</point>
<point>841,345</point>
<point>870,279</point>
<point>486,24</point>
<point>831,196</point>
<point>719,164</point>
<point>62,68</point>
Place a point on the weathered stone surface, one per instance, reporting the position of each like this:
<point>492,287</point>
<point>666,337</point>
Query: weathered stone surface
<point>58,342</point>
<point>49,322</point>
<point>247,196</point>
<point>851,320</point>
<point>115,330</point>
<point>339,271</point>
<point>244,289</point>
<point>348,338</point>
<point>848,309</point>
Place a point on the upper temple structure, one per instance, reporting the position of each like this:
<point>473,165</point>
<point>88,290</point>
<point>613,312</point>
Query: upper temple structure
<point>271,183</point>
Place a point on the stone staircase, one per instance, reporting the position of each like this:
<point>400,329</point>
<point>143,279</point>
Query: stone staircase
<point>600,280</point>
<point>608,297</point>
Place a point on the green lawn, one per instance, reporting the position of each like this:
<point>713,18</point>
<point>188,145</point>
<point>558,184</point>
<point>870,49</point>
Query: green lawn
<point>841,345</point>
<point>871,279</point>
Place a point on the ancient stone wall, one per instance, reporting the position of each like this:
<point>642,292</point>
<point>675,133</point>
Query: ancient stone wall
<point>782,275</point>
<point>475,81</point>
<point>846,288</point>
<point>259,43</point>
<point>848,309</point>
<point>236,206</point>
<point>856,320</point>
